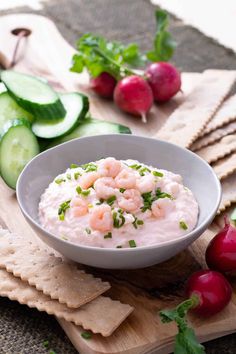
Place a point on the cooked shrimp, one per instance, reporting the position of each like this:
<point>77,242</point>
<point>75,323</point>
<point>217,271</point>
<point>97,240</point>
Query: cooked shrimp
<point>177,178</point>
<point>161,206</point>
<point>101,218</point>
<point>173,189</point>
<point>109,167</point>
<point>104,187</point>
<point>88,179</point>
<point>125,179</point>
<point>79,206</point>
<point>146,183</point>
<point>130,200</point>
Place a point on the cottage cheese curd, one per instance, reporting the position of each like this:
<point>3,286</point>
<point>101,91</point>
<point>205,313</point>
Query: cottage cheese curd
<point>116,204</point>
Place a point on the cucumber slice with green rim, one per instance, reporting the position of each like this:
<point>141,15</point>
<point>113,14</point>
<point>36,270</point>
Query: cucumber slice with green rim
<point>18,146</point>
<point>76,106</point>
<point>9,110</point>
<point>34,95</point>
<point>92,126</point>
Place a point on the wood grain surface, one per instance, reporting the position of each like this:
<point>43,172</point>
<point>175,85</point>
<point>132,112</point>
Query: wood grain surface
<point>45,53</point>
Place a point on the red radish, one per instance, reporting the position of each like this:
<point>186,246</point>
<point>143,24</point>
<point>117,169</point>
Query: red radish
<point>212,290</point>
<point>104,85</point>
<point>221,251</point>
<point>209,292</point>
<point>164,79</point>
<point>133,95</point>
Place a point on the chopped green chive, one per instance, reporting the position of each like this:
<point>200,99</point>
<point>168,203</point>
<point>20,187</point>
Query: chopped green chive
<point>119,246</point>
<point>157,174</point>
<point>59,180</point>
<point>161,194</point>
<point>82,192</point>
<point>135,166</point>
<point>78,189</point>
<point>132,243</point>
<point>62,209</point>
<point>143,170</point>
<point>89,167</point>
<point>76,175</point>
<point>148,198</point>
<point>52,352</point>
<point>183,225</point>
<point>118,219</point>
<point>110,201</point>
<point>86,335</point>
<point>74,165</point>
<point>122,190</point>
<point>85,193</point>
<point>88,230</point>
<point>137,222</point>
<point>108,235</point>
<point>68,176</point>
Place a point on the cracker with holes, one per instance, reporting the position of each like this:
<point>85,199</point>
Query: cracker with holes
<point>187,122</point>
<point>218,150</point>
<point>102,315</point>
<point>52,275</point>
<point>213,136</point>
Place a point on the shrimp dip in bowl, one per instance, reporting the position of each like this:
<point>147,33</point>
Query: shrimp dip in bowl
<point>118,201</point>
<point>112,203</point>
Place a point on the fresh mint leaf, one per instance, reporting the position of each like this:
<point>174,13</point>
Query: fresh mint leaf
<point>164,45</point>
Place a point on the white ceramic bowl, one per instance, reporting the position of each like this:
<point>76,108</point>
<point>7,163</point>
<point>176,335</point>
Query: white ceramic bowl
<point>197,175</point>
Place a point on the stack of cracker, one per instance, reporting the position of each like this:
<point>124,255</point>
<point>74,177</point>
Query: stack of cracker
<point>206,124</point>
<point>50,283</point>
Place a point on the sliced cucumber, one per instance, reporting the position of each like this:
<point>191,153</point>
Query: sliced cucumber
<point>9,110</point>
<point>76,106</point>
<point>92,126</point>
<point>34,95</point>
<point>18,146</point>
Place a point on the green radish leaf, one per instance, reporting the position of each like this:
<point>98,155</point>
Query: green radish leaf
<point>185,341</point>
<point>164,45</point>
<point>97,55</point>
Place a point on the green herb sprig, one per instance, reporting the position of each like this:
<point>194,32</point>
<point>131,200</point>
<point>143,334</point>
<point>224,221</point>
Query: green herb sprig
<point>98,55</point>
<point>185,340</point>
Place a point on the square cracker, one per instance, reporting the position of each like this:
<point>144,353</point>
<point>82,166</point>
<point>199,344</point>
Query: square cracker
<point>186,123</point>
<point>54,276</point>
<point>102,315</point>
<point>225,167</point>
<point>225,115</point>
<point>214,136</point>
<point>218,150</point>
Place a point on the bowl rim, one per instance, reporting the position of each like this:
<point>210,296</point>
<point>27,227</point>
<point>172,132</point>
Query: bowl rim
<point>200,228</point>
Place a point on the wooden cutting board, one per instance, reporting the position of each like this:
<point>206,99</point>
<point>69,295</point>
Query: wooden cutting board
<point>45,53</point>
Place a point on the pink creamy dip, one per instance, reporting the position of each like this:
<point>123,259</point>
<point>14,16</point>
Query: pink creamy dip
<point>116,204</point>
